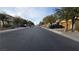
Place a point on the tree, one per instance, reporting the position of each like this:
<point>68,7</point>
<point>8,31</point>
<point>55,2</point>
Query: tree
<point>18,21</point>
<point>64,14</point>
<point>74,14</point>
<point>67,13</point>
<point>10,21</point>
<point>24,21</point>
<point>41,23</point>
<point>2,18</point>
<point>30,23</point>
<point>49,19</point>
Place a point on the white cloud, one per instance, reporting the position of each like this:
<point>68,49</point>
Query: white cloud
<point>34,14</point>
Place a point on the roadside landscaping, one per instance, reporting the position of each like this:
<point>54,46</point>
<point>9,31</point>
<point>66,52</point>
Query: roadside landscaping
<point>12,22</point>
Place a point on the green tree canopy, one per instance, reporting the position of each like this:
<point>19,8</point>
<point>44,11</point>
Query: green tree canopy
<point>49,19</point>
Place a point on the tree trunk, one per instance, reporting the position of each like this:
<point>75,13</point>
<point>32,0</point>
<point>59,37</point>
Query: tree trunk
<point>73,27</point>
<point>66,26</point>
<point>73,24</point>
<point>3,24</point>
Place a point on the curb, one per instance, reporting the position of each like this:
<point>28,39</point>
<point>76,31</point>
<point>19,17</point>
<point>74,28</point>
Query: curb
<point>9,30</point>
<point>61,33</point>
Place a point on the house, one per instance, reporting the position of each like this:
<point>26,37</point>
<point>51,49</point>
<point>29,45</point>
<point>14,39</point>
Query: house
<point>63,23</point>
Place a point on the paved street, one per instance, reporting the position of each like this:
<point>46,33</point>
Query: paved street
<point>35,39</point>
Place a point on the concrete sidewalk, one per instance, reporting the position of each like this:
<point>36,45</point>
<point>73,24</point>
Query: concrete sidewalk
<point>72,35</point>
<point>8,30</point>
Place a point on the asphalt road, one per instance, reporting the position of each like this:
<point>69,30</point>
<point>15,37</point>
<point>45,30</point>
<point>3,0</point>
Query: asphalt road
<point>35,39</point>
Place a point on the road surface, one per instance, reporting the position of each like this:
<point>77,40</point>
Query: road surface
<point>35,39</point>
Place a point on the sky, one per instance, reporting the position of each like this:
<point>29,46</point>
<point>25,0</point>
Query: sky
<point>34,14</point>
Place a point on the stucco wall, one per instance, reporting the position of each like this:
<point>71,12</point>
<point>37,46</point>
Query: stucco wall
<point>63,23</point>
